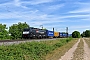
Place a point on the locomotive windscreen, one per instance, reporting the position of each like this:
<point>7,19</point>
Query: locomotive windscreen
<point>26,30</point>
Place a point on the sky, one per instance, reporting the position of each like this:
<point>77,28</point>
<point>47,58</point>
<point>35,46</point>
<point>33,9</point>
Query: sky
<point>74,14</point>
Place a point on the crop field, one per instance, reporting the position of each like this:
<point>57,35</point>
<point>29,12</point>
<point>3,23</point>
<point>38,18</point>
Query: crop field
<point>33,50</point>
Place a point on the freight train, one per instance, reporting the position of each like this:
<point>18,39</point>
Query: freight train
<point>42,33</point>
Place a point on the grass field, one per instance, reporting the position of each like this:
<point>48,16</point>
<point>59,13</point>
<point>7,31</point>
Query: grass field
<point>36,50</point>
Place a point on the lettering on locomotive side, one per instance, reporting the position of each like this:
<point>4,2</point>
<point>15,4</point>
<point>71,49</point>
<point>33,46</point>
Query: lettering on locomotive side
<point>40,32</point>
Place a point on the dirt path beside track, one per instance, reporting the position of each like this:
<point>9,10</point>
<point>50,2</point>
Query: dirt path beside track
<point>86,51</point>
<point>80,51</point>
<point>69,55</point>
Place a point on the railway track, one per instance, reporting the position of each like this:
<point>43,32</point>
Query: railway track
<point>10,42</point>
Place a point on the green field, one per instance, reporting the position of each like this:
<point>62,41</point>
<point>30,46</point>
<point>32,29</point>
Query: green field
<point>31,50</point>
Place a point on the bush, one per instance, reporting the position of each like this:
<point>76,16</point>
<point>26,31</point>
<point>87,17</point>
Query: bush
<point>76,34</point>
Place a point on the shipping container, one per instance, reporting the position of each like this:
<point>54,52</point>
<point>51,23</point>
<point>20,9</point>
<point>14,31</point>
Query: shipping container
<point>56,34</point>
<point>60,34</point>
<point>64,34</point>
<point>50,33</point>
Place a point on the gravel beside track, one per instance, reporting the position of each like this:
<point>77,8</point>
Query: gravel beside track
<point>10,42</point>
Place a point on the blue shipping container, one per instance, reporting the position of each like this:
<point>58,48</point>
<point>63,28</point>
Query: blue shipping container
<point>65,35</point>
<point>61,34</point>
<point>50,33</point>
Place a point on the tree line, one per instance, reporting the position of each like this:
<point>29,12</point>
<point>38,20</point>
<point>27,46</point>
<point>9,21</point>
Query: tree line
<point>76,34</point>
<point>15,31</point>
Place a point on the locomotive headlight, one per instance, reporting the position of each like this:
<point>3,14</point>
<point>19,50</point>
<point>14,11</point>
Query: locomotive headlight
<point>26,32</point>
<point>37,31</point>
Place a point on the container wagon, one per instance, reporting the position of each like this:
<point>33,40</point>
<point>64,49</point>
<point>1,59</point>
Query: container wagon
<point>56,34</point>
<point>63,35</point>
<point>60,34</point>
<point>49,34</point>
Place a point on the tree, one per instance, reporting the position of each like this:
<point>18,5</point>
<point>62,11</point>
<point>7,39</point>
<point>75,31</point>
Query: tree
<point>3,32</point>
<point>83,34</point>
<point>16,30</point>
<point>76,34</point>
<point>87,33</point>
